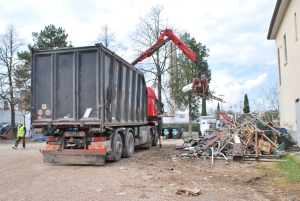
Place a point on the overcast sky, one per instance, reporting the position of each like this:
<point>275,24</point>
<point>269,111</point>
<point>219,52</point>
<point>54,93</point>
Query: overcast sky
<point>235,31</point>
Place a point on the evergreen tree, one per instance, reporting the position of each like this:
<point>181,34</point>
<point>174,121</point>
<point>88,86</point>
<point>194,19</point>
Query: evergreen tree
<point>51,38</point>
<point>183,72</point>
<point>246,108</point>
<point>22,80</point>
<point>218,111</point>
<point>203,111</point>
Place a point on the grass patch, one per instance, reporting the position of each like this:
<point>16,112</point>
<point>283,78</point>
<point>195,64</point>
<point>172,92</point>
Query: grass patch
<point>269,168</point>
<point>291,168</point>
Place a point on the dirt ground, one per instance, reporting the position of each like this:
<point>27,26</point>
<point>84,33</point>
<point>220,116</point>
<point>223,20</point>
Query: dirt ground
<point>154,174</point>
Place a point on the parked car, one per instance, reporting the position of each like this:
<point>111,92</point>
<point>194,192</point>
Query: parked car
<point>4,126</point>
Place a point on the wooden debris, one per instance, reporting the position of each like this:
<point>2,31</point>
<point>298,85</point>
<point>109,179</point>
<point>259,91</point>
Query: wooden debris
<point>188,192</point>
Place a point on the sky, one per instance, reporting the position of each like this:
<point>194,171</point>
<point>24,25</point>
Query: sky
<point>235,31</point>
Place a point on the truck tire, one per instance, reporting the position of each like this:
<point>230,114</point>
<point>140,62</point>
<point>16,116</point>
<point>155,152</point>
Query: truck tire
<point>155,139</point>
<point>117,147</point>
<point>128,150</point>
<point>150,139</point>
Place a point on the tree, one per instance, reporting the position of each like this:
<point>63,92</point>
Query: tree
<point>246,108</point>
<point>267,98</point>
<point>22,80</point>
<point>51,38</point>
<point>108,38</point>
<point>230,112</point>
<point>182,73</point>
<point>203,109</point>
<point>10,43</point>
<point>217,114</point>
<point>146,33</point>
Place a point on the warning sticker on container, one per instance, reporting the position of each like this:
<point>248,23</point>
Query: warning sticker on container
<point>40,112</point>
<point>44,106</point>
<point>47,112</point>
<point>87,112</point>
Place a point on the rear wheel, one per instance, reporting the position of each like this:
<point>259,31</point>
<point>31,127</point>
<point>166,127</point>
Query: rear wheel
<point>117,147</point>
<point>155,138</point>
<point>150,138</point>
<point>128,150</point>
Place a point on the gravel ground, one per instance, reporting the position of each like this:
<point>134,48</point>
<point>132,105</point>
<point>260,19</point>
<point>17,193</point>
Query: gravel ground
<point>153,174</point>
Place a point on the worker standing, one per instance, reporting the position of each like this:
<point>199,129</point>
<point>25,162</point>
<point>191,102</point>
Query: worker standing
<point>260,116</point>
<point>21,135</point>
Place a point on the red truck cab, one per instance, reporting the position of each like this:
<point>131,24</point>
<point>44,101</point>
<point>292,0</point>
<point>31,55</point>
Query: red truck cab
<point>154,108</point>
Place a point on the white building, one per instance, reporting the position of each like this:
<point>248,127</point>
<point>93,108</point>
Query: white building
<point>6,114</point>
<point>284,29</point>
<point>179,117</point>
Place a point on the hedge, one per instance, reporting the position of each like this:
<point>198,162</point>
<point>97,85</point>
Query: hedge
<point>195,126</point>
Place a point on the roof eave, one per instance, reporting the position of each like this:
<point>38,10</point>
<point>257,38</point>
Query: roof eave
<point>278,14</point>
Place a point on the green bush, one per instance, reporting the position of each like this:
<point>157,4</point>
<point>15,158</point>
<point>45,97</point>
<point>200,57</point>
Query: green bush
<point>195,126</point>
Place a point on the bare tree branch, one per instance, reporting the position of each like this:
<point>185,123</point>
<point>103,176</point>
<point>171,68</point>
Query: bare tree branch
<point>108,38</point>
<point>267,98</point>
<point>10,42</point>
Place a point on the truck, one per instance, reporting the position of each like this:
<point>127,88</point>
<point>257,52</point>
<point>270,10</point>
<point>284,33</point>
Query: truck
<point>93,106</point>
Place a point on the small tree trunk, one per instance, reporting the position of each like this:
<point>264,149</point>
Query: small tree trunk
<point>190,118</point>
<point>12,104</point>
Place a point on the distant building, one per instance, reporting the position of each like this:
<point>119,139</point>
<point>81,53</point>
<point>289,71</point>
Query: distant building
<point>284,29</point>
<point>6,114</point>
<point>179,117</point>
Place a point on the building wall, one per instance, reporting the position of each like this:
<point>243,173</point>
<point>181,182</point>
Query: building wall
<point>289,90</point>
<point>179,117</point>
<point>5,117</point>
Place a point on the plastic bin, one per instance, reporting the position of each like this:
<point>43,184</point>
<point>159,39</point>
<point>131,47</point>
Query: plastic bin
<point>176,132</point>
<point>165,132</point>
<point>282,130</point>
<point>172,132</point>
<point>38,137</point>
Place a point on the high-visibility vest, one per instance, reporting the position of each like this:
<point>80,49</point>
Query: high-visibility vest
<point>21,131</point>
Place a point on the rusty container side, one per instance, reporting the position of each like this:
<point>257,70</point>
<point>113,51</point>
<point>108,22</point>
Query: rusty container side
<point>237,152</point>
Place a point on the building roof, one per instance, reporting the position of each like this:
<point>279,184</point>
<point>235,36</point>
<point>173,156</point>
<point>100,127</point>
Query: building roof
<point>277,17</point>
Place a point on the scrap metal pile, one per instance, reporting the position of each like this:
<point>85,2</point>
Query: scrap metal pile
<point>246,137</point>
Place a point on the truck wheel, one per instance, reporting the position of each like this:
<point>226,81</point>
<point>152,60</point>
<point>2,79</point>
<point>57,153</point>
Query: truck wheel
<point>128,150</point>
<point>117,147</point>
<point>155,139</point>
<point>150,138</point>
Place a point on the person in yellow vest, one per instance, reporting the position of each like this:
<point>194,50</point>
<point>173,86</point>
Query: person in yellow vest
<point>21,135</point>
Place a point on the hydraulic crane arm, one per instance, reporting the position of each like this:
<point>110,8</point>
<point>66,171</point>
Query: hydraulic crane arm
<point>200,85</point>
<point>162,41</point>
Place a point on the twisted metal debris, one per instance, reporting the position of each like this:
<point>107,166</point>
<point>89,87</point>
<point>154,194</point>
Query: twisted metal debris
<point>241,139</point>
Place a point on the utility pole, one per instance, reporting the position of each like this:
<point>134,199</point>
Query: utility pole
<point>221,102</point>
<point>234,111</point>
<point>240,107</point>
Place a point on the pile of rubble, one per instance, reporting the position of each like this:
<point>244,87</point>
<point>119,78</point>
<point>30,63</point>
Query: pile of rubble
<point>241,139</point>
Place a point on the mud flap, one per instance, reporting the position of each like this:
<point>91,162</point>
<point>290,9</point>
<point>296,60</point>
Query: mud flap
<point>74,157</point>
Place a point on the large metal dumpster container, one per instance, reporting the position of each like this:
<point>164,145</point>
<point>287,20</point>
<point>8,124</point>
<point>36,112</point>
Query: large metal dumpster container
<point>86,87</point>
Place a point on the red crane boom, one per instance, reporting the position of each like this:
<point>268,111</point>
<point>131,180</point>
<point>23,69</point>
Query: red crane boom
<point>200,85</point>
<point>162,41</point>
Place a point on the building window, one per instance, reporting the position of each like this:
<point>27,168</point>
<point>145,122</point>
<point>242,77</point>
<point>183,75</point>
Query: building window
<point>285,47</point>
<point>296,32</point>
<point>279,67</point>
<point>182,115</point>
